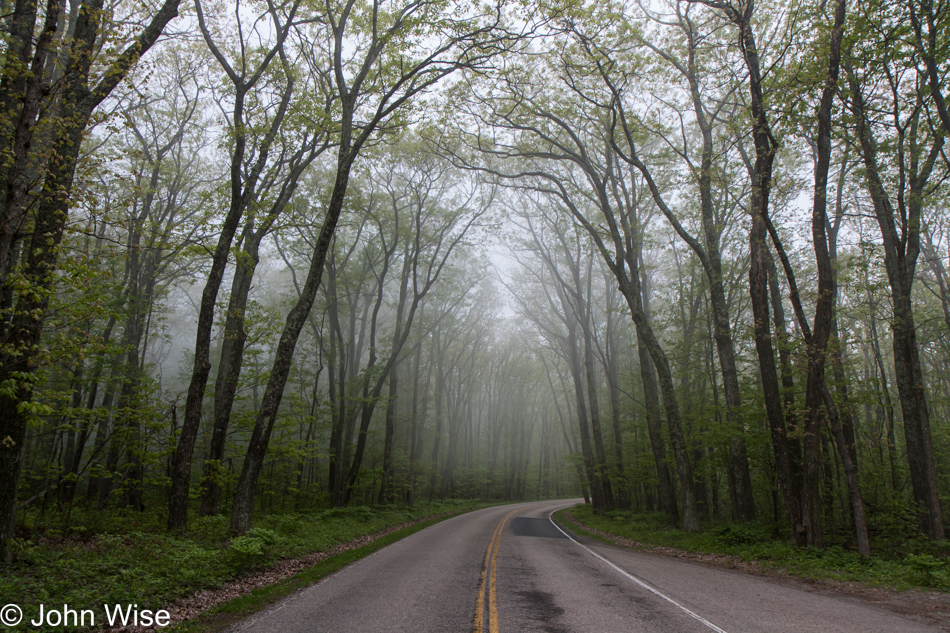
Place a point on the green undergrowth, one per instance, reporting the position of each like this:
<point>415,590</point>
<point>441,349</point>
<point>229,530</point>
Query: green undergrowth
<point>132,561</point>
<point>223,615</point>
<point>915,564</point>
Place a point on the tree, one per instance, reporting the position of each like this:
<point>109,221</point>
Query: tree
<point>374,84</point>
<point>560,257</point>
<point>164,140</point>
<point>816,391</point>
<point>709,251</point>
<point>247,180</point>
<point>26,272</point>
<point>573,162</point>
<point>899,191</point>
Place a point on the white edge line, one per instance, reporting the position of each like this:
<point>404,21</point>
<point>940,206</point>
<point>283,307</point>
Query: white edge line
<point>636,580</point>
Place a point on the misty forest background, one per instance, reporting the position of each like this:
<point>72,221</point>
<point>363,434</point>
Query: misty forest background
<point>274,257</point>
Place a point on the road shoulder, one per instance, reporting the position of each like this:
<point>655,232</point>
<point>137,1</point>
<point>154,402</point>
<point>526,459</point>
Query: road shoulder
<point>927,607</point>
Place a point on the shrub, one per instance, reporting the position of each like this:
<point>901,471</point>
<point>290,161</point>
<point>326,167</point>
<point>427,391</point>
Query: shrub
<point>248,551</point>
<point>929,571</point>
<point>245,552</point>
<point>211,529</point>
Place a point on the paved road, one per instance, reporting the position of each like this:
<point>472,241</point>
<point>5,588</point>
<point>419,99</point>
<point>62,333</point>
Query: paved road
<point>509,569</point>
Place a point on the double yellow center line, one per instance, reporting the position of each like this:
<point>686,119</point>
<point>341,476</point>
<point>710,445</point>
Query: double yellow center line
<point>491,554</point>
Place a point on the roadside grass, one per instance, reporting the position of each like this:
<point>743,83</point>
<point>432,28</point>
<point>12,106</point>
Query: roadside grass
<point>232,611</point>
<point>914,564</point>
<point>129,559</point>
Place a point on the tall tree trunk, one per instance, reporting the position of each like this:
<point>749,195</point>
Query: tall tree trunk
<point>244,181</point>
<point>900,259</point>
<point>201,369</point>
<point>637,299</point>
<point>78,100</point>
<point>390,432</point>
<point>712,266</point>
<point>613,390</point>
<point>602,470</point>
<point>241,514</point>
<point>761,181</point>
<point>590,464</point>
<point>229,368</point>
<point>417,421</point>
<point>338,379</point>
<point>448,479</point>
<point>884,397</point>
<point>439,351</point>
<point>759,265</point>
<point>651,400</point>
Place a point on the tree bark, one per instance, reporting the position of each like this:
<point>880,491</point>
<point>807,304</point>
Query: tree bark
<point>651,399</point>
<point>78,101</point>
<point>900,259</point>
<point>233,344</point>
<point>242,512</point>
<point>387,476</point>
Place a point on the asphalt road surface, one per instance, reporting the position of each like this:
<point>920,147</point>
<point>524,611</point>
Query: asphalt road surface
<point>509,569</point>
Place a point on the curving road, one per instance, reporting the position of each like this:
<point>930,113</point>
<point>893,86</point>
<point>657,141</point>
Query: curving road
<point>509,569</point>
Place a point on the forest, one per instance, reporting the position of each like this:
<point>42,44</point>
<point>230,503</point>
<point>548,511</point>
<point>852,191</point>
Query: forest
<point>685,257</point>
